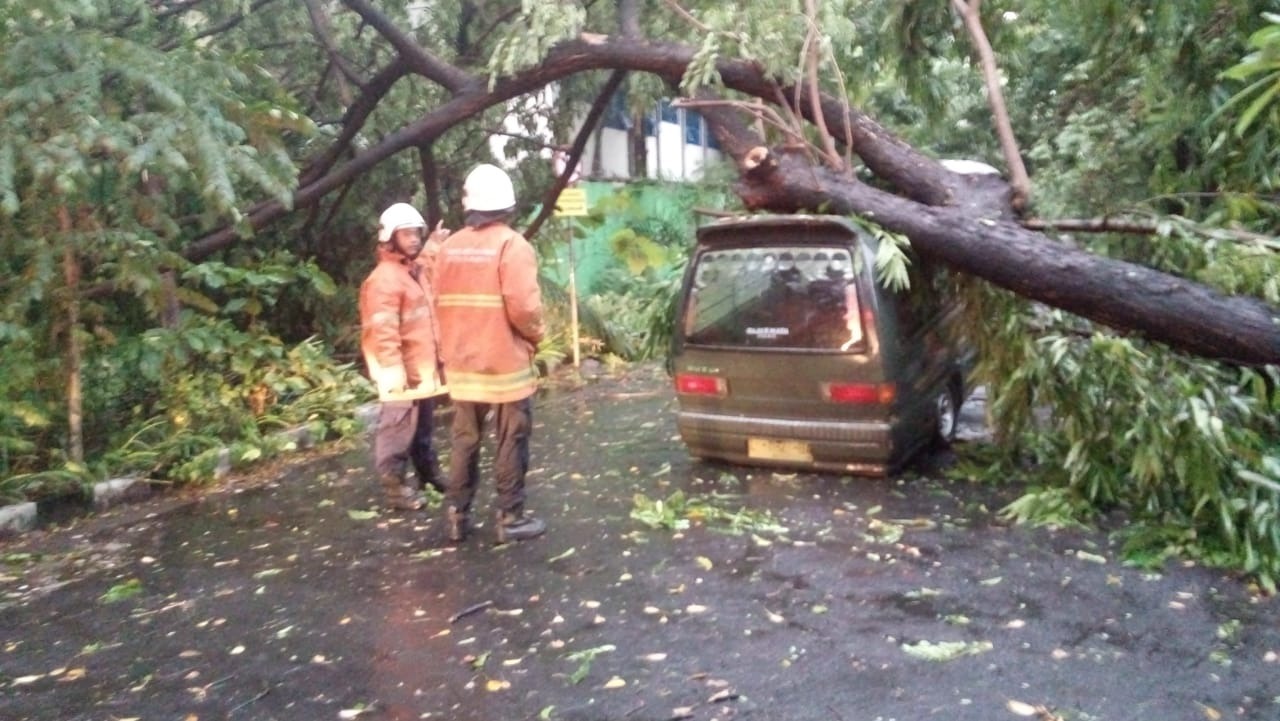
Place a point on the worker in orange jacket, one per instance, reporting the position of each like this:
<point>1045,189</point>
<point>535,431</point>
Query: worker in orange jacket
<point>398,338</point>
<point>491,321</point>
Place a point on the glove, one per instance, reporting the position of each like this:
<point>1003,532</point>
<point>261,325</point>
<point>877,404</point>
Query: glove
<point>391,380</point>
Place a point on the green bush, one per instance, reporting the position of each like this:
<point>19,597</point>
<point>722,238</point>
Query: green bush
<point>1187,448</point>
<point>219,386</point>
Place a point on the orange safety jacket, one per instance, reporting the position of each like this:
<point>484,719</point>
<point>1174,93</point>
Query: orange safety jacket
<point>398,328</point>
<point>490,311</point>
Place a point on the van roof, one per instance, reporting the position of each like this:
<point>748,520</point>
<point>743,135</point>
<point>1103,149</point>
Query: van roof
<point>711,231</point>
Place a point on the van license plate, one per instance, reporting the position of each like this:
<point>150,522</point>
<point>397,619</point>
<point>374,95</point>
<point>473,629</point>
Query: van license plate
<point>773,450</point>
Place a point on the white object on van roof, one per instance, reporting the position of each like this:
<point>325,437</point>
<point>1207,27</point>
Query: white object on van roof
<point>968,167</point>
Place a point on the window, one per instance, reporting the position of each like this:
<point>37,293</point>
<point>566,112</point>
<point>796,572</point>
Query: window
<point>920,304</point>
<point>616,115</point>
<point>796,297</point>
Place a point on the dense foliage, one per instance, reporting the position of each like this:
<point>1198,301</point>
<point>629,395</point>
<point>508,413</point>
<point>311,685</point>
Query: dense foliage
<point>1145,119</point>
<point>115,152</point>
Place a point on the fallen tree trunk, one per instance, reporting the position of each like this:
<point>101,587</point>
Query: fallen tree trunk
<point>1180,313</point>
<point>956,219</point>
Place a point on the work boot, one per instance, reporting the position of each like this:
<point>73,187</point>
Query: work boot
<point>428,475</point>
<point>399,496</point>
<point>457,524</point>
<point>515,526</point>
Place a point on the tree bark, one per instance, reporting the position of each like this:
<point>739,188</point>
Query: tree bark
<point>430,184</point>
<point>75,397</point>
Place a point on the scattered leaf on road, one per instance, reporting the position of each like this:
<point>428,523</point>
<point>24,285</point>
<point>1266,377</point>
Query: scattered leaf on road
<point>945,650</point>
<point>1090,557</point>
<point>122,591</point>
<point>1020,708</point>
<point>561,556</point>
<point>723,695</point>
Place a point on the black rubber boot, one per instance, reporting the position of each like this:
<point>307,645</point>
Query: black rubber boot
<point>399,496</point>
<point>457,524</point>
<point>516,526</point>
<point>428,475</point>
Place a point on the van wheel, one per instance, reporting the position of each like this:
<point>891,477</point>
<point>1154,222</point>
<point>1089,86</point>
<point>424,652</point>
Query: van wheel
<point>946,415</point>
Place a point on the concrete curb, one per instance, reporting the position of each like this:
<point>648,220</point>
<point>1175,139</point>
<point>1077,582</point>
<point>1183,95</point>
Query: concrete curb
<point>114,491</point>
<point>18,518</point>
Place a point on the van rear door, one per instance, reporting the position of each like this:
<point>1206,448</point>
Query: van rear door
<point>777,341</point>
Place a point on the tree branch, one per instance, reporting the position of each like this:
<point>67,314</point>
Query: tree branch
<point>1090,225</point>
<point>419,60</point>
<point>815,96</point>
<point>970,11</point>
<point>346,74</point>
<point>589,124</point>
<point>221,27</point>
<point>918,176</point>
<point>430,183</point>
<point>371,93</point>
<point>629,19</point>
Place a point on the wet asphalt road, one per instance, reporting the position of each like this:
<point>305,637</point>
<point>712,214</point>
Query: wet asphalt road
<point>290,596</point>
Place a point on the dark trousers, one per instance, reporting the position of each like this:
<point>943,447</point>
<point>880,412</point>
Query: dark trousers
<point>513,423</point>
<point>404,436</point>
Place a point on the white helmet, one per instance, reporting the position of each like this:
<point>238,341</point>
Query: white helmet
<point>395,217</point>
<point>488,188</point>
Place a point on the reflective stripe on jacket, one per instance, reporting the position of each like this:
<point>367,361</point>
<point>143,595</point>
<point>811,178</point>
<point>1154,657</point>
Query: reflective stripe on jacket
<point>490,310</point>
<point>398,328</point>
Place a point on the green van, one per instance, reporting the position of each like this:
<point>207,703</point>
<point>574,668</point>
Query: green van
<point>787,351</point>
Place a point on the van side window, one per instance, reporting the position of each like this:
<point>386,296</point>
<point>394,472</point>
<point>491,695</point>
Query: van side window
<point>922,302</point>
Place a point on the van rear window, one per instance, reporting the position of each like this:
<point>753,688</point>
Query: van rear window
<point>801,297</point>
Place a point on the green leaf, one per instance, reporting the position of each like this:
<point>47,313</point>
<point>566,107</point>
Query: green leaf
<point>1258,105</point>
<point>356,515</point>
<point>122,591</point>
<point>946,650</point>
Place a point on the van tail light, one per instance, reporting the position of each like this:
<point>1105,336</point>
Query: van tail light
<point>695,384</point>
<point>861,393</point>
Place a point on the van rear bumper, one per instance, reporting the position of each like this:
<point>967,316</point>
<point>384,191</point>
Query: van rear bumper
<point>862,447</point>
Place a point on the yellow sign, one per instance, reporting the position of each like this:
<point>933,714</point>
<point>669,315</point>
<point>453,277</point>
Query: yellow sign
<point>572,201</point>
